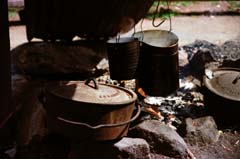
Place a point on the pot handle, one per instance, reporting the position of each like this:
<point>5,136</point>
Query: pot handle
<point>236,79</point>
<point>102,125</point>
<point>94,82</point>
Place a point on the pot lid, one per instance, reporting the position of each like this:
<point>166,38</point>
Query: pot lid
<point>225,82</point>
<point>91,92</point>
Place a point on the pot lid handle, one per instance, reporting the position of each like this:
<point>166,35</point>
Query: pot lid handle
<point>236,79</point>
<point>87,82</point>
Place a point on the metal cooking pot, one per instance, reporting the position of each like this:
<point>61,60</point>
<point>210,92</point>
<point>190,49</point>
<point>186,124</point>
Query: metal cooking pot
<point>158,72</point>
<point>222,94</point>
<point>87,110</point>
<point>123,55</point>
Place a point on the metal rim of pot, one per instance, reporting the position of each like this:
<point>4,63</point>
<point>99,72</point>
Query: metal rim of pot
<point>142,37</point>
<point>102,125</point>
<point>121,40</point>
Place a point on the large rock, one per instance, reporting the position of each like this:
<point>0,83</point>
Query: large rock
<point>231,51</point>
<point>198,62</point>
<point>182,57</point>
<point>126,148</point>
<point>31,117</point>
<point>201,131</point>
<point>76,60</point>
<point>162,139</point>
<point>134,148</point>
<point>200,53</point>
<point>215,51</point>
<point>19,86</point>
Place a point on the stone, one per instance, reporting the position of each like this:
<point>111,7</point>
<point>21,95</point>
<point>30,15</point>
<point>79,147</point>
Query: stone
<point>161,138</point>
<point>215,51</point>
<point>134,148</point>
<point>59,60</point>
<point>201,131</point>
<point>200,53</point>
<point>19,85</point>
<point>198,62</point>
<point>182,57</point>
<point>159,156</point>
<point>231,50</point>
<point>31,116</point>
<point>93,149</point>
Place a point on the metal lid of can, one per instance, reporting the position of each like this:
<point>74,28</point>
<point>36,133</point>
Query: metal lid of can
<point>91,92</point>
<point>224,82</point>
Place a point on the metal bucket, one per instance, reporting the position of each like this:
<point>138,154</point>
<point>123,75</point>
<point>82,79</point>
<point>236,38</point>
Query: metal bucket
<point>158,71</point>
<point>123,56</point>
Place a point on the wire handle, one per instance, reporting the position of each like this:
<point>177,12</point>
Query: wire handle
<point>95,86</point>
<point>154,16</point>
<point>169,15</point>
<point>102,125</point>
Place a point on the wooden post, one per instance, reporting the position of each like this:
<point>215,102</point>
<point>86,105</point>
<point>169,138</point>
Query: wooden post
<point>5,73</point>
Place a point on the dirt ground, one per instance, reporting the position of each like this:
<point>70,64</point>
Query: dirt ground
<point>228,147</point>
<point>215,29</point>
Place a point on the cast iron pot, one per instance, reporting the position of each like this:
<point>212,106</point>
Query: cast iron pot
<point>87,110</point>
<point>222,94</point>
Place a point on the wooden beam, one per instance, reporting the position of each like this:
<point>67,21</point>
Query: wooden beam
<point>5,73</point>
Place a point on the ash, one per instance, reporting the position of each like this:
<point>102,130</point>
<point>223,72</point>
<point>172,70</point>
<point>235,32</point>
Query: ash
<point>188,101</point>
<point>185,102</point>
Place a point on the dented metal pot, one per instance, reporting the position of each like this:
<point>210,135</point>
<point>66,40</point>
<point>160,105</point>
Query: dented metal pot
<point>158,62</point>
<point>87,110</point>
<point>222,94</point>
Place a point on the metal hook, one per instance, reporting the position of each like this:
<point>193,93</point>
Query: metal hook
<point>169,15</point>
<point>154,16</point>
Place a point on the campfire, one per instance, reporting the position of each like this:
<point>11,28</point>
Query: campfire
<point>139,97</point>
<point>171,125</point>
